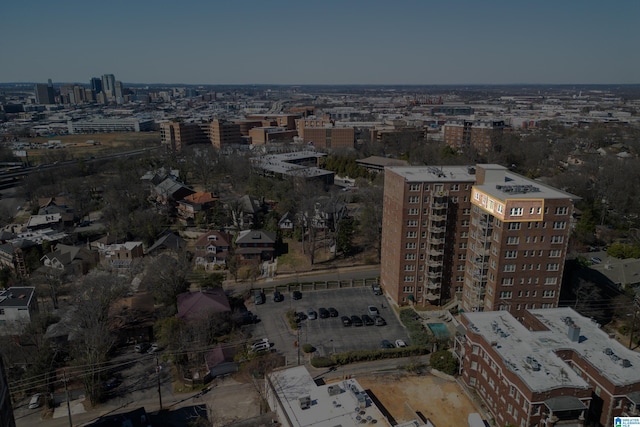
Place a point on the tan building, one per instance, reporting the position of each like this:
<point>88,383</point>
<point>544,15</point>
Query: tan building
<point>517,242</point>
<point>329,137</point>
<point>553,368</point>
<point>479,134</point>
<point>287,121</point>
<point>225,133</point>
<point>264,135</point>
<point>425,222</point>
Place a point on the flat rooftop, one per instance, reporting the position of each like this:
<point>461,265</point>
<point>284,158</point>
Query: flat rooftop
<point>504,184</point>
<point>340,408</point>
<point>531,354</point>
<point>435,173</point>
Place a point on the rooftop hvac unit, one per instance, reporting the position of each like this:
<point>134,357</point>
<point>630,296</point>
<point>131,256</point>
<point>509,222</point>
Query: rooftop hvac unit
<point>574,333</point>
<point>305,402</point>
<point>333,390</point>
<point>626,363</point>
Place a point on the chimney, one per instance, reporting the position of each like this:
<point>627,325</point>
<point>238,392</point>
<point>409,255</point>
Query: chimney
<point>574,332</point>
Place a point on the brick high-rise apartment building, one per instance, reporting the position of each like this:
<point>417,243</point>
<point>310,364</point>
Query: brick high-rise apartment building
<point>425,223</point>
<point>517,242</point>
<point>492,238</point>
<point>479,134</point>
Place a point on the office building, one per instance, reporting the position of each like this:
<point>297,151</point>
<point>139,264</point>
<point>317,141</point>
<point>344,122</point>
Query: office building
<point>225,133</point>
<point>44,93</point>
<point>96,85</point>
<point>425,223</point>
<point>481,135</point>
<point>118,92</point>
<point>109,125</point>
<point>492,239</point>
<point>6,410</point>
<point>517,244</point>
<point>177,135</point>
<point>109,86</point>
<point>552,368</point>
<point>329,137</point>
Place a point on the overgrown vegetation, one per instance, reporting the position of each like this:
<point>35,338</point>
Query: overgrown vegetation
<point>369,355</point>
<point>444,361</point>
<point>418,335</point>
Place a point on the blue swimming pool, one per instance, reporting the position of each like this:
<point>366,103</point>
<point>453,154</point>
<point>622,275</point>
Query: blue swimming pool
<point>439,330</point>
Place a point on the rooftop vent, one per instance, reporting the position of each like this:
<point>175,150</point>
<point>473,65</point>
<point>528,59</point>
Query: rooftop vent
<point>574,333</point>
<point>333,390</point>
<point>608,351</point>
<point>305,402</point>
<point>626,363</point>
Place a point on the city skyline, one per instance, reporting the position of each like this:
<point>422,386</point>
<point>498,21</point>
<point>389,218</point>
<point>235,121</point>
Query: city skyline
<point>283,42</point>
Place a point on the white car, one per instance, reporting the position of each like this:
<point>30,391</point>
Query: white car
<point>400,343</point>
<point>259,343</point>
<point>36,401</point>
<point>373,310</point>
<point>265,346</point>
<point>154,347</point>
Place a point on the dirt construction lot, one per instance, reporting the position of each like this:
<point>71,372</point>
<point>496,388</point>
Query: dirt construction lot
<point>441,401</point>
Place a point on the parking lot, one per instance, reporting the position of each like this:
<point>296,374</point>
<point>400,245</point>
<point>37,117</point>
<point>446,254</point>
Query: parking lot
<point>327,335</point>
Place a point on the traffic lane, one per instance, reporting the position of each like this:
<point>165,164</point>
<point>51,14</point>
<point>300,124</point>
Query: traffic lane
<point>328,335</point>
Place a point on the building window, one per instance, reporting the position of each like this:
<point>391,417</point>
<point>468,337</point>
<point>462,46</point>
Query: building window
<point>511,254</point>
<point>459,279</point>
<point>1,311</point>
<point>513,240</point>
<point>412,223</point>
<point>461,267</point>
<point>548,294</point>
<point>507,281</point>
<point>562,210</point>
<point>455,187</point>
<point>414,199</point>
<point>557,239</point>
<point>454,199</point>
<point>559,225</point>
<point>409,267</point>
<point>514,226</point>
<point>414,187</point>
<point>426,187</point>
<point>466,211</point>
<point>551,281</point>
<point>413,211</point>
<point>509,268</point>
<point>410,279</point>
<point>465,223</point>
<point>554,253</point>
<point>553,267</point>
<point>505,294</point>
<point>472,381</point>
<point>464,234</point>
<point>407,289</point>
<point>474,366</point>
<point>462,257</point>
<point>411,245</point>
<point>412,234</point>
<point>409,257</point>
<point>516,211</point>
<point>475,349</point>
<point>463,245</point>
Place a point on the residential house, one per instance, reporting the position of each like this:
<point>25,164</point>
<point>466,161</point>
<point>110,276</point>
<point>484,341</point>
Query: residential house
<point>48,221</point>
<point>285,223</point>
<point>58,205</point>
<point>69,260</point>
<point>199,305</point>
<point>219,361</point>
<point>326,214</point>
<point>170,190</point>
<point>168,241</point>
<point>103,242</point>
<point>132,318</point>
<point>255,246</point>
<point>245,212</point>
<point>212,249</point>
<point>17,306</point>
<point>192,204</point>
<point>121,255</point>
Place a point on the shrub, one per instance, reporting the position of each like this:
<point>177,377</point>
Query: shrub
<point>308,348</point>
<point>322,362</point>
<point>417,333</point>
<point>445,362</point>
<point>369,355</point>
<point>291,318</point>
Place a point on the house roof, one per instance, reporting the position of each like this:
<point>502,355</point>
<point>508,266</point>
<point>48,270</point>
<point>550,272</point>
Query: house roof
<point>219,355</point>
<point>255,236</point>
<point>221,239</point>
<point>168,240</point>
<point>249,204</point>
<point>201,197</point>
<point>38,220</point>
<point>63,253</point>
<point>194,305</point>
<point>17,297</point>
<point>170,188</point>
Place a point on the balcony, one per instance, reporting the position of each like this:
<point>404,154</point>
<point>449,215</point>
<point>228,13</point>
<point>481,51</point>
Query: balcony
<point>433,286</point>
<point>437,216</point>
<point>431,297</point>
<point>437,228</point>
<point>439,205</point>
<point>434,274</point>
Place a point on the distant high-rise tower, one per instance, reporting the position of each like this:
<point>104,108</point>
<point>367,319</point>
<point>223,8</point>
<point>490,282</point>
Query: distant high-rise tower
<point>96,85</point>
<point>118,92</point>
<point>109,85</point>
<point>44,93</point>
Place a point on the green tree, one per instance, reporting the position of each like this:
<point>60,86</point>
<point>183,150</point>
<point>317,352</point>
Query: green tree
<point>623,251</point>
<point>344,236</point>
<point>444,361</point>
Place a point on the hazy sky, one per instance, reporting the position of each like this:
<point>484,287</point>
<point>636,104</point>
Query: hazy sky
<point>322,42</point>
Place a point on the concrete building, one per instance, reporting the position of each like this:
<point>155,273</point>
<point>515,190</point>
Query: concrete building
<point>299,401</point>
<point>266,134</point>
<point>517,244</point>
<point>17,305</point>
<point>493,239</point>
<point>478,134</point>
<point>225,133</point>
<point>299,165</point>
<point>553,368</point>
<point>109,125</point>
<point>425,223</point>
<point>109,86</point>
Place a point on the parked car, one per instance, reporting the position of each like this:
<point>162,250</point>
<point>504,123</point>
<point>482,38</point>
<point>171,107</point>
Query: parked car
<point>111,383</point>
<point>356,320</point>
<point>259,343</point>
<point>367,320</point>
<point>380,321</point>
<point>372,310</point>
<point>153,348</point>
<point>36,401</point>
<point>333,312</point>
<point>345,321</point>
<point>386,344</point>
<point>258,297</point>
<point>376,290</point>
<point>141,347</point>
<point>265,346</point>
<point>277,296</point>
<point>296,295</point>
<point>323,313</point>
<point>311,314</point>
<point>595,260</point>
<point>400,343</point>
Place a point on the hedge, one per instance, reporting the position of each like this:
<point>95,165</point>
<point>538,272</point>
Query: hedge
<point>322,362</point>
<point>369,355</point>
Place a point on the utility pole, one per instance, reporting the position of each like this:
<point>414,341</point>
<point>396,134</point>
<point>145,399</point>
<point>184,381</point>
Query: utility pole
<point>66,391</point>
<point>159,390</point>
